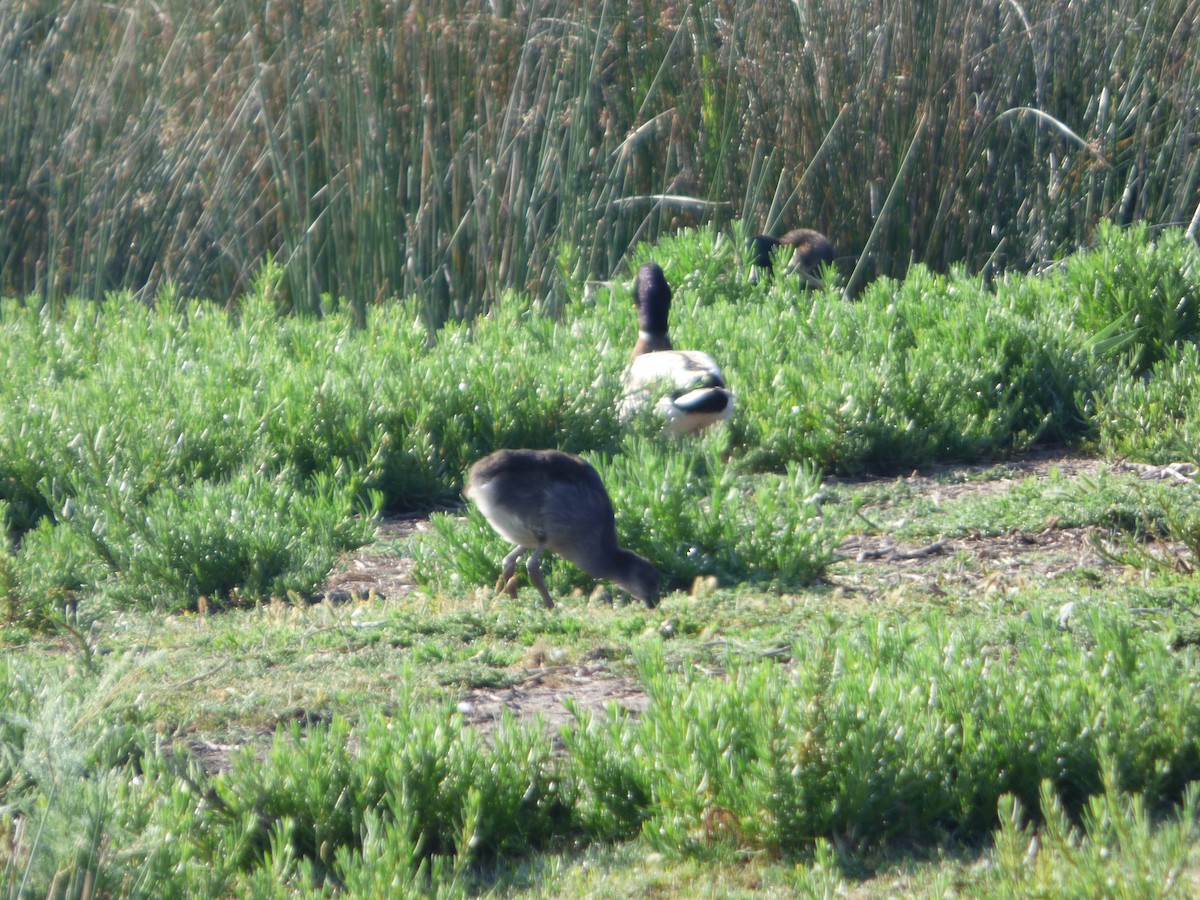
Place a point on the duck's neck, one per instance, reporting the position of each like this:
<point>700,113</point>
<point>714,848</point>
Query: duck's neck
<point>651,342</point>
<point>627,570</point>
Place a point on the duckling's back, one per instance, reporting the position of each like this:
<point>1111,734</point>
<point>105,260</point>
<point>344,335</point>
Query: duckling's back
<point>540,497</point>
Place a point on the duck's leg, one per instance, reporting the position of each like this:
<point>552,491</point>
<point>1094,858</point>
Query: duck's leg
<point>534,566</point>
<point>508,580</point>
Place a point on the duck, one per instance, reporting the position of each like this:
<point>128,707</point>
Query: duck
<point>548,500</point>
<point>696,394</point>
<point>811,251</point>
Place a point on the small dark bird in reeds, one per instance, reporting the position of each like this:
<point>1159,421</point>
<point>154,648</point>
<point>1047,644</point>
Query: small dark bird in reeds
<point>810,251</point>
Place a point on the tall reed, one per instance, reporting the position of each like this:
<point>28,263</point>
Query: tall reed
<point>451,149</point>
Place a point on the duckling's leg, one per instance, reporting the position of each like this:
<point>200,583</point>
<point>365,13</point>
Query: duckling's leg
<point>508,580</point>
<point>534,566</point>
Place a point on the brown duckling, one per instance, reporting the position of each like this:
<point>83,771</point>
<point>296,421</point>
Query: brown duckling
<point>549,500</point>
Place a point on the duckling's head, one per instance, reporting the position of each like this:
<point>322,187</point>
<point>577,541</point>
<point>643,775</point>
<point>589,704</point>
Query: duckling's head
<point>761,246</point>
<point>641,579</point>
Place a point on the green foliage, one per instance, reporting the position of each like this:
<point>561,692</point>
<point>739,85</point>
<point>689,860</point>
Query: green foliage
<point>1148,288</point>
<point>704,266</point>
<point>693,515</point>
<point>1154,418</point>
<point>1171,513</point>
<point>53,567</point>
<point>904,732</point>
<point>62,756</point>
<point>158,455</point>
<point>152,455</point>
<point>418,790</point>
<point>935,367</point>
<point>102,800</point>
<point>245,536</point>
<point>1076,749</point>
<point>1117,852</point>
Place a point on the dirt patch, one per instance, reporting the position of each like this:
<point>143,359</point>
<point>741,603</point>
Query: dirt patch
<point>545,692</point>
<point>952,481</point>
<point>216,756</point>
<point>371,572</point>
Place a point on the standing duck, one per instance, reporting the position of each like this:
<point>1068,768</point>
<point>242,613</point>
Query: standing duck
<point>811,251</point>
<point>549,500</point>
<point>685,386</point>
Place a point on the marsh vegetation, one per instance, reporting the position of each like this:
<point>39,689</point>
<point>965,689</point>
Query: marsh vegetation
<point>274,276</point>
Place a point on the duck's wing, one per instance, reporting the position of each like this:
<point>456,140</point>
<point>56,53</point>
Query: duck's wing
<point>686,387</point>
<point>682,370</point>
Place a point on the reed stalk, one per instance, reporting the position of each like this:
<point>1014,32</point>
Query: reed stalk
<point>451,150</point>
